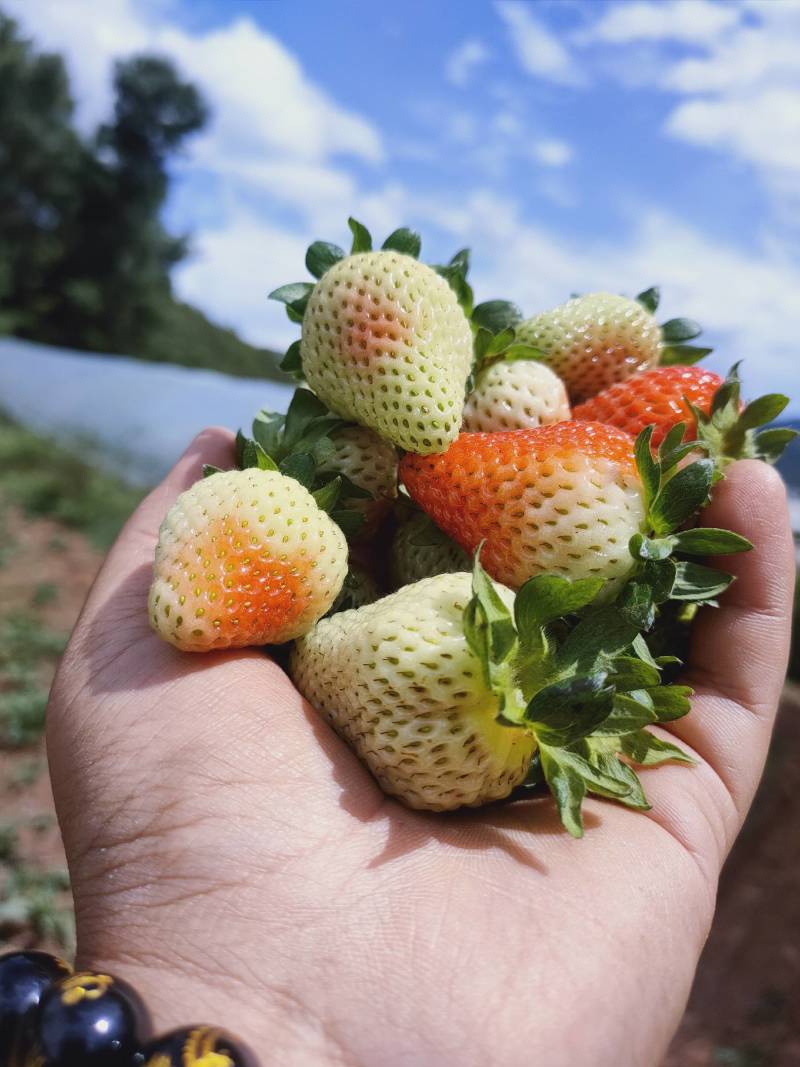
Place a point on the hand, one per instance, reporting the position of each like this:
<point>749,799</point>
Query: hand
<point>233,860</point>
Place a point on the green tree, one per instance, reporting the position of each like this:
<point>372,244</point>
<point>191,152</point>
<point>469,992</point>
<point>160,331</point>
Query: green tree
<point>84,258</point>
<point>41,158</point>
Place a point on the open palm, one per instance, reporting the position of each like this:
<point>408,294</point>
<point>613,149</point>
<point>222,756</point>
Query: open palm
<point>233,859</point>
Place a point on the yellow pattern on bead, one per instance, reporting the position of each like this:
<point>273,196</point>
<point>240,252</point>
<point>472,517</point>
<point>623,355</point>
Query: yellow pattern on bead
<point>84,987</point>
<point>200,1050</point>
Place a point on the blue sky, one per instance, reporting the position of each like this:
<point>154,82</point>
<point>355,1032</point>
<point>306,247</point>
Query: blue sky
<point>572,145</point>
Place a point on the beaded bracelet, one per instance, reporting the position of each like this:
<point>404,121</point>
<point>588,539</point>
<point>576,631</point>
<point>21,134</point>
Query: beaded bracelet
<point>52,1017</point>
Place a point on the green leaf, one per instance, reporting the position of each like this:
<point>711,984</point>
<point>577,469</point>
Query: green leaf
<point>647,750</point>
<point>362,238</point>
<point>268,431</point>
<point>568,789</point>
<point>327,496</point>
<point>290,294</point>
<point>321,256</point>
<point>670,701</point>
<point>350,522</point>
<point>597,782</point>
<point>405,241</point>
<point>351,491</point>
<point>209,469</point>
<point>547,597</point>
<point>629,672</point>
<point>682,496</point>
<point>649,472</point>
<point>762,410</point>
<point>680,330</point>
<point>695,582</point>
<point>707,541</point>
<point>250,454</point>
<point>496,315</point>
<point>304,408</point>
<point>598,637</point>
<point>683,354</point>
<point>650,298</point>
<point>610,765</point>
<point>673,440</point>
<point>628,714</point>
<point>520,350</point>
<point>296,312</point>
<point>637,603</point>
<point>301,467</point>
<point>292,362</point>
<point>456,279</point>
<point>502,635</point>
<point>769,445</point>
<point>565,711</point>
<point>460,261</point>
<point>642,650</point>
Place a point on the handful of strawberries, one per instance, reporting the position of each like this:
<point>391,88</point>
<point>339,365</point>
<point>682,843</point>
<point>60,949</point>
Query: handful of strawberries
<point>485,586</point>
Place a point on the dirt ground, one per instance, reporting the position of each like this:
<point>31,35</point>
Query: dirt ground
<point>745,1006</point>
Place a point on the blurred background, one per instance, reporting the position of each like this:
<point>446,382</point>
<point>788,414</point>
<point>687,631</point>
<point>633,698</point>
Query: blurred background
<point>165,163</point>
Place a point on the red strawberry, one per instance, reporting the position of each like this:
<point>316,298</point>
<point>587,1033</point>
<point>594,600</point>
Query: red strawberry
<point>562,499</point>
<point>656,397</point>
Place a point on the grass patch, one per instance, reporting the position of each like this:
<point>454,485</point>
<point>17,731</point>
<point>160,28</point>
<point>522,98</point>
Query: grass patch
<point>46,480</point>
<point>28,652</point>
<point>32,899</point>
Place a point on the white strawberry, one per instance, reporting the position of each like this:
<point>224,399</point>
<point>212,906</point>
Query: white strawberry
<point>384,341</point>
<point>594,340</point>
<point>369,462</point>
<point>421,550</point>
<point>398,680</point>
<point>244,558</point>
<point>515,395</point>
<point>447,696</point>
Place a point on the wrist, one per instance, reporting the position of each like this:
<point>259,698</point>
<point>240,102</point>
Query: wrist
<point>177,993</point>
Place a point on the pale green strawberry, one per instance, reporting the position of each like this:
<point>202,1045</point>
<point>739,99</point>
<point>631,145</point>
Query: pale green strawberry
<point>448,689</point>
<point>368,462</point>
<point>244,558</point>
<point>359,589</point>
<point>594,340</point>
<point>515,395</point>
<point>421,550</point>
<point>398,680</point>
<point>386,344</point>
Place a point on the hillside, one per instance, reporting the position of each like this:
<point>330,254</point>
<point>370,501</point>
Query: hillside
<point>185,336</point>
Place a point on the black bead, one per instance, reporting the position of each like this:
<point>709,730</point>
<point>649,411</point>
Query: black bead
<point>195,1046</point>
<point>24,976</point>
<point>86,1020</point>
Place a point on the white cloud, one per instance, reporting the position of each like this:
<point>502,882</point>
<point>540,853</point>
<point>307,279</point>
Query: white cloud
<point>464,60</point>
<point>764,129</point>
<point>743,96</point>
<point>232,270</point>
<point>692,21</point>
<point>551,152</point>
<point>538,50</point>
<point>262,100</point>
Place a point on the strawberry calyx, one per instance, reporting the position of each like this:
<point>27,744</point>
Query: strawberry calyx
<point>732,430</point>
<point>674,333</point>
<point>580,678</point>
<point>494,347</point>
<point>322,255</point>
<point>298,446</point>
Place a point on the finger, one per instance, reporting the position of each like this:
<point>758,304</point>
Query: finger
<point>739,651</point>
